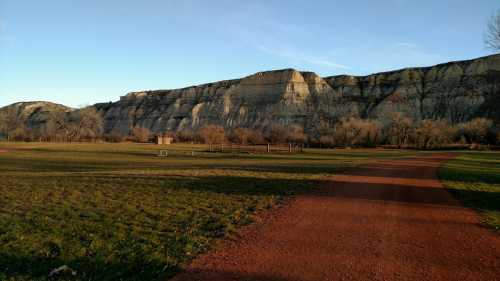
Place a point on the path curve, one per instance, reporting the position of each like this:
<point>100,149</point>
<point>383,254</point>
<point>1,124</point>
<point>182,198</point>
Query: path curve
<point>390,220</point>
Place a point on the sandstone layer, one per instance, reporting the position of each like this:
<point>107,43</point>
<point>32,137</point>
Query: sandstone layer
<point>33,114</point>
<point>455,91</point>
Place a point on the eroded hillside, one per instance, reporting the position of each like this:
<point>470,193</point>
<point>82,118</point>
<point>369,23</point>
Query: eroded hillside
<point>456,91</point>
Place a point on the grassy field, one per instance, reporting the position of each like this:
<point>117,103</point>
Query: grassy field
<point>120,212</point>
<point>474,178</point>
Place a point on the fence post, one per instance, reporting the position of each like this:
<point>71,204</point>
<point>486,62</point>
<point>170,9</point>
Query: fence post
<point>290,147</point>
<point>268,148</point>
<point>222,147</point>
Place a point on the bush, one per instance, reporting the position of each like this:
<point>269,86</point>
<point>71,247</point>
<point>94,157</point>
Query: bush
<point>256,137</point>
<point>141,134</point>
<point>185,135</point>
<point>240,135</point>
<point>356,132</point>
<point>327,141</point>
<point>212,134</point>
<point>477,130</point>
<point>114,136</point>
<point>432,134</point>
<point>399,129</point>
<point>295,134</point>
<point>276,133</point>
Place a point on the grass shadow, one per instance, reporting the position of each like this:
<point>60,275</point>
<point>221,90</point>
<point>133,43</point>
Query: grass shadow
<point>38,268</point>
<point>474,179</point>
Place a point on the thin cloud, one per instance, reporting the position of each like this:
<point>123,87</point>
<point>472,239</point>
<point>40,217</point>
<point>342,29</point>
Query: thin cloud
<point>293,55</point>
<point>324,62</point>
<point>406,45</point>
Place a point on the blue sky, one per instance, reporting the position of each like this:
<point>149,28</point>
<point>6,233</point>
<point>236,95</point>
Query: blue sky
<point>83,52</point>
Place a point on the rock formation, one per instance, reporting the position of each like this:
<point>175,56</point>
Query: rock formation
<point>33,114</point>
<point>455,91</point>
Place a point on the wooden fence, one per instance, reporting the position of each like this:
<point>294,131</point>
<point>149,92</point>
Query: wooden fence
<point>264,148</point>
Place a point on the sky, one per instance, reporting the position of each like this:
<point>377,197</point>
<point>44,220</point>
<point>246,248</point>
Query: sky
<point>83,52</point>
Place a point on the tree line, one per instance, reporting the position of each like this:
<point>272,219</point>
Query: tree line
<point>58,126</point>
<point>399,131</point>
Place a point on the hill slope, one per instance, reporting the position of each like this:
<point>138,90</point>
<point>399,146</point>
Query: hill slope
<point>33,114</point>
<point>456,91</point>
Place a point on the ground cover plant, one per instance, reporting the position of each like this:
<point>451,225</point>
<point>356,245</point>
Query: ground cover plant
<point>120,212</point>
<point>474,178</point>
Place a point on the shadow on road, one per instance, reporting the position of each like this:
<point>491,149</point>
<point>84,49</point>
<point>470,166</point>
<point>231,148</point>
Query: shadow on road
<point>222,275</point>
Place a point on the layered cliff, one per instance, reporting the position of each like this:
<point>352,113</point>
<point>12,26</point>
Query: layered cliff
<point>456,91</point>
<point>32,114</point>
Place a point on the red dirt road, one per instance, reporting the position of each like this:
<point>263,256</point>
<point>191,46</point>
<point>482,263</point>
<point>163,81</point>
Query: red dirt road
<point>390,220</point>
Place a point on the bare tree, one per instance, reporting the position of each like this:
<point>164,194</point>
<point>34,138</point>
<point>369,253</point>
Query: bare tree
<point>349,131</point>
<point>240,135</point>
<point>492,35</point>
<point>325,136</point>
<point>141,134</point>
<point>58,126</point>
<point>327,140</point>
<point>276,133</point>
<point>49,131</point>
<point>356,132</point>
<point>212,134</point>
<point>399,129</point>
<point>185,135</point>
<point>114,136</point>
<point>3,123</point>
<point>14,124</point>
<point>296,134</point>
<point>83,124</point>
<point>371,132</point>
<point>255,136</point>
<point>86,123</point>
<point>476,130</point>
<point>430,134</point>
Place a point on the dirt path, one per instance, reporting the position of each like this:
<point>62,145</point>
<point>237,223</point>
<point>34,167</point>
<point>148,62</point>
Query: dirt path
<point>385,221</point>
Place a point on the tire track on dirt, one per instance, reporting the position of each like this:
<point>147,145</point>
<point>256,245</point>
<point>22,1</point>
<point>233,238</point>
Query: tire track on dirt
<point>390,220</point>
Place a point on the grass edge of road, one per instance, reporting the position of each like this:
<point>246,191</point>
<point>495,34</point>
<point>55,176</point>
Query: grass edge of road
<point>473,178</point>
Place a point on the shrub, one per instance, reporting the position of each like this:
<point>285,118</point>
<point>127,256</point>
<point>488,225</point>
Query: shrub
<point>295,134</point>
<point>185,135</point>
<point>430,134</point>
<point>276,133</point>
<point>477,130</point>
<point>399,129</point>
<point>240,135</point>
<point>141,134</point>
<point>356,132</point>
<point>114,136</point>
<point>327,141</point>
<point>212,134</point>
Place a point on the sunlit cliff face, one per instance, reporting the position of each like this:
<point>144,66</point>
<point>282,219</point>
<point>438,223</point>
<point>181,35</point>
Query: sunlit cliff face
<point>456,92</point>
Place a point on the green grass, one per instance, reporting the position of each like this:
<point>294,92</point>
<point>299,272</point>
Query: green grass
<point>119,212</point>
<point>474,178</point>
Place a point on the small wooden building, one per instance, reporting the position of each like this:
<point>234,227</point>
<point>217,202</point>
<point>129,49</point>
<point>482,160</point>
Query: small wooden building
<point>163,139</point>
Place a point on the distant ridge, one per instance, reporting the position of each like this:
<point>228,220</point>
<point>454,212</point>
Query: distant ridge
<point>455,91</point>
